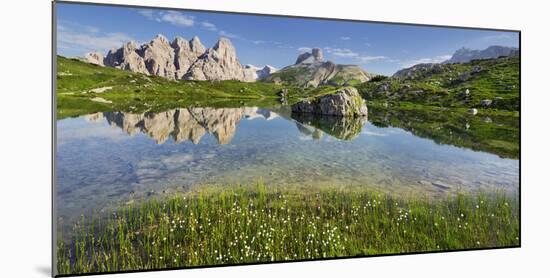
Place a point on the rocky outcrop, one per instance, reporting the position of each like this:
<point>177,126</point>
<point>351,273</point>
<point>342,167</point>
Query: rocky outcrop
<point>179,59</point>
<point>343,102</point>
<point>316,55</point>
<point>310,70</point>
<point>95,58</point>
<point>465,55</point>
<point>126,58</point>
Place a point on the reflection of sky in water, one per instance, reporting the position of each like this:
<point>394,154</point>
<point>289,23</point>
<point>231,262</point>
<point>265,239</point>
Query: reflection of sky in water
<point>98,164</point>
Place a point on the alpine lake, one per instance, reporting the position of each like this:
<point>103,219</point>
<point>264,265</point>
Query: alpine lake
<point>110,158</point>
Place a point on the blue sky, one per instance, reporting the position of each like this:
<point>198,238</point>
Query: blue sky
<point>259,40</point>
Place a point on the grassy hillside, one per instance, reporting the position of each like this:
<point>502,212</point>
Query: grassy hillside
<point>452,85</point>
<point>84,88</point>
<point>320,74</point>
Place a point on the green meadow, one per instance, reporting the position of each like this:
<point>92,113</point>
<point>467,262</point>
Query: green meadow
<point>216,225</point>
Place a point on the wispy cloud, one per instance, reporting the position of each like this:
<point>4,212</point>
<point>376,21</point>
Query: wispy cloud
<point>81,38</point>
<point>341,52</point>
<point>258,42</point>
<point>147,13</point>
<point>350,54</point>
<point>177,18</point>
<point>345,38</point>
<point>209,26</point>
<point>227,34</point>
<point>437,59</point>
<point>304,49</point>
<point>366,59</point>
<point>172,17</point>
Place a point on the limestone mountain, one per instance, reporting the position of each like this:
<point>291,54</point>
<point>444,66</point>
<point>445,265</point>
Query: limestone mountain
<point>126,58</point>
<point>179,59</point>
<point>217,63</point>
<point>310,70</point>
<point>186,53</point>
<point>465,55</point>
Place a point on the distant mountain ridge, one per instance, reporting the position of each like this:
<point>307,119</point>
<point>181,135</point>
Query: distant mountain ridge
<point>253,72</point>
<point>179,59</point>
<point>310,70</point>
<point>464,55</point>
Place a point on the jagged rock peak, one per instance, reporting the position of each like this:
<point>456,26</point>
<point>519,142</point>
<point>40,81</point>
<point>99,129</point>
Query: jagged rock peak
<point>178,42</point>
<point>196,45</point>
<point>160,37</point>
<point>95,58</point>
<point>131,45</point>
<point>316,55</point>
<point>178,59</point>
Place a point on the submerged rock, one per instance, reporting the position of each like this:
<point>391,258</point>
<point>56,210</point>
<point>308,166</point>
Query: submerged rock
<point>343,128</point>
<point>344,102</point>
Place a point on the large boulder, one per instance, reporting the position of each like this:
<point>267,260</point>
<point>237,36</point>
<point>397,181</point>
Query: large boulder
<point>344,102</point>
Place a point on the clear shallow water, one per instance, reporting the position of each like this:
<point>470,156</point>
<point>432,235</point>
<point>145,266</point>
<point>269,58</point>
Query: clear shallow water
<point>113,157</point>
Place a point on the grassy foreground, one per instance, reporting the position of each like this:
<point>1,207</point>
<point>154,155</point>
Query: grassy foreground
<point>245,224</point>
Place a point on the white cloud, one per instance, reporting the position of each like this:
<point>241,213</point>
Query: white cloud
<point>177,18</point>
<point>147,13</point>
<point>304,49</point>
<point>258,42</point>
<point>366,59</point>
<point>89,38</point>
<point>437,59</point>
<point>345,38</point>
<point>172,17</point>
<point>341,52</point>
<point>350,54</point>
<point>209,26</point>
<point>227,34</point>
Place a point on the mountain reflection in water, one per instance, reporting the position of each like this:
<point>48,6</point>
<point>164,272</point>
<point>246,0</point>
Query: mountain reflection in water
<point>111,157</point>
<point>191,124</point>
